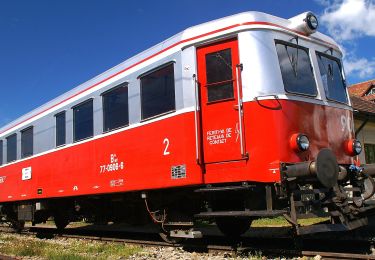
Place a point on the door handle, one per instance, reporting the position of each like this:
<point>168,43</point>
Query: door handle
<point>238,107</point>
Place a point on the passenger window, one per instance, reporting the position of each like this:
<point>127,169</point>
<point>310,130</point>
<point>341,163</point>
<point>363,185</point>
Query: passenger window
<point>60,128</point>
<point>1,152</point>
<point>115,108</point>
<point>333,81</point>
<point>83,121</point>
<point>219,75</point>
<point>27,143</point>
<point>158,92</point>
<point>296,69</point>
<point>12,148</point>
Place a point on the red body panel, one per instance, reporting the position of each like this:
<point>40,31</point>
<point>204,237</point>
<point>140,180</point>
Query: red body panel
<point>147,157</point>
<point>87,168</point>
<point>269,124</point>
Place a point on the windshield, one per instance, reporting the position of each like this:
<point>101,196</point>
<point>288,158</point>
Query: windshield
<point>296,69</point>
<point>333,82</point>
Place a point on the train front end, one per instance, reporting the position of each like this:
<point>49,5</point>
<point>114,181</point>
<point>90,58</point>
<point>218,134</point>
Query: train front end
<point>307,133</point>
<point>284,141</point>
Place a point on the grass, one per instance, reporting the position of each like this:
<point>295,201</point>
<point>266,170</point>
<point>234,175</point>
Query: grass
<point>281,222</point>
<point>67,249</point>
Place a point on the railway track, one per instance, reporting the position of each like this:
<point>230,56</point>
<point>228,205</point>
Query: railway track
<point>270,247</point>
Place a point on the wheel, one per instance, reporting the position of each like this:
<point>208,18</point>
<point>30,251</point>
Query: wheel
<point>233,227</point>
<point>61,221</point>
<point>17,225</point>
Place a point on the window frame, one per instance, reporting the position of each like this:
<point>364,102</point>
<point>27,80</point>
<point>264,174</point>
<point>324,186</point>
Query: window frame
<point>220,83</point>
<point>317,53</point>
<point>309,53</point>
<point>1,152</point>
<point>74,120</point>
<point>368,146</point>
<point>164,65</point>
<point>7,138</point>
<point>121,85</point>
<point>371,91</point>
<point>22,142</point>
<point>56,135</point>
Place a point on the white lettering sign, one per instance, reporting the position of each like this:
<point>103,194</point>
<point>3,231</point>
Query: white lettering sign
<point>219,136</point>
<point>116,183</point>
<point>113,165</point>
<point>26,173</point>
<point>2,179</point>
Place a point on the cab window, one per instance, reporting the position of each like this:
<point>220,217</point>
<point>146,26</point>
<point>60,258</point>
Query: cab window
<point>333,81</point>
<point>296,69</point>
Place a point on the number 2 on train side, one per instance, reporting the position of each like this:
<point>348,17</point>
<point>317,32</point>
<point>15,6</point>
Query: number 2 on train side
<point>166,143</point>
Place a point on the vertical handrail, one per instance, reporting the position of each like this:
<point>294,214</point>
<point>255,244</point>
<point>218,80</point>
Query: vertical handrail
<point>238,83</point>
<point>196,109</point>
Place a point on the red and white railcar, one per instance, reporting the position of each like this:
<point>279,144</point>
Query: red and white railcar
<point>240,118</point>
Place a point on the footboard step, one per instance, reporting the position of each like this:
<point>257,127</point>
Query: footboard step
<point>245,213</point>
<point>186,233</point>
<point>225,188</point>
<point>319,228</point>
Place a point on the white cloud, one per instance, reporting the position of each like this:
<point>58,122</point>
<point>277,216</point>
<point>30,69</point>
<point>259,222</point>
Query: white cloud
<point>349,19</point>
<point>324,2</point>
<point>362,67</point>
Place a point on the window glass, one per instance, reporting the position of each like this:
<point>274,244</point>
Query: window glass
<point>83,125</point>
<point>1,152</point>
<point>370,92</point>
<point>27,143</point>
<point>296,69</point>
<point>115,108</point>
<point>333,82</point>
<point>12,148</point>
<point>60,128</point>
<point>219,75</point>
<point>158,92</point>
<point>370,153</point>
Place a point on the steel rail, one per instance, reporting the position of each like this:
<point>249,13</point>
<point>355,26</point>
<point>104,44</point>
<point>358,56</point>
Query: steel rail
<point>239,249</point>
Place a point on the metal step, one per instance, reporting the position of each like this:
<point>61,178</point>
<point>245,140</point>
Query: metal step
<point>186,233</point>
<point>225,188</point>
<point>179,224</point>
<point>318,228</point>
<point>245,213</point>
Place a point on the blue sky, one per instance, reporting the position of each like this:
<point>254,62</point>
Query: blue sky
<point>49,47</point>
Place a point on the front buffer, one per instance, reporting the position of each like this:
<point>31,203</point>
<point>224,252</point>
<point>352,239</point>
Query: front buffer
<point>324,188</point>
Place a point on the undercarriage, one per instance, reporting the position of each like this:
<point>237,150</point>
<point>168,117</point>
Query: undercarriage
<point>341,194</point>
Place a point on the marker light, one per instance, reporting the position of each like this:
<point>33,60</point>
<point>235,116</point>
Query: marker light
<point>299,142</point>
<point>353,147</point>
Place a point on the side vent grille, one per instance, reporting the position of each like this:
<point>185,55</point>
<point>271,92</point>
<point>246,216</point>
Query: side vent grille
<point>178,171</point>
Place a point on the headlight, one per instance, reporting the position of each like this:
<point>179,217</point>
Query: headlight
<point>353,147</point>
<point>299,142</point>
<point>357,147</point>
<point>306,22</point>
<point>312,21</point>
<point>303,142</point>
